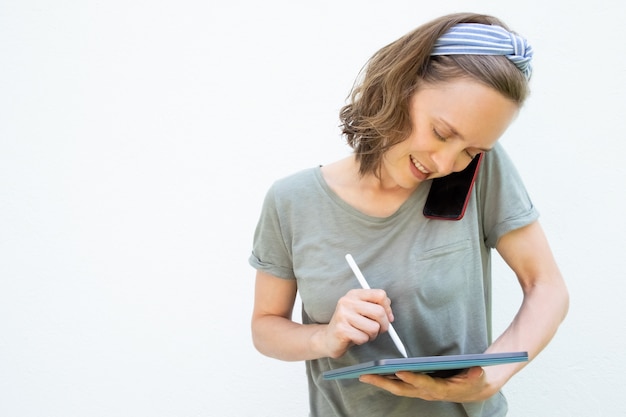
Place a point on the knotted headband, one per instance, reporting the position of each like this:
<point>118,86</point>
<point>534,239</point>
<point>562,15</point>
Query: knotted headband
<point>479,39</point>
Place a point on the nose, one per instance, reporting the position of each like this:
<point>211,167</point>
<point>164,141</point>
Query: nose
<point>446,160</point>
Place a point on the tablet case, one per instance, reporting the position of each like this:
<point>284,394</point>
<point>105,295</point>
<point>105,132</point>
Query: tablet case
<point>452,364</point>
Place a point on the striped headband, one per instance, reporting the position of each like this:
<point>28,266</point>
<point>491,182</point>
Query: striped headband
<point>479,39</point>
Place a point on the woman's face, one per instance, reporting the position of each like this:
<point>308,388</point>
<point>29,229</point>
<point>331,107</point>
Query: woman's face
<point>451,123</point>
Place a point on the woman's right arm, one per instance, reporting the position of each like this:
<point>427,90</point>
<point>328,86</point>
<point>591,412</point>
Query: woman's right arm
<point>359,317</point>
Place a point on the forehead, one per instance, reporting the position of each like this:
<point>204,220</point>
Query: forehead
<point>475,111</point>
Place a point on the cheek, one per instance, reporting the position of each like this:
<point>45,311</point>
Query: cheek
<point>461,163</point>
<point>415,141</point>
<point>398,150</point>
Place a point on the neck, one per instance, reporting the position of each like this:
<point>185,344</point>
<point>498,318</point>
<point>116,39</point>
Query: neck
<point>369,194</point>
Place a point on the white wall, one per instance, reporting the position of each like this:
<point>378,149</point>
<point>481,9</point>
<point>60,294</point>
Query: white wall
<point>137,139</point>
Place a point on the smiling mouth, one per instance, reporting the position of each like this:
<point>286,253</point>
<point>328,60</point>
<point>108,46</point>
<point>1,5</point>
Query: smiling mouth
<point>421,168</point>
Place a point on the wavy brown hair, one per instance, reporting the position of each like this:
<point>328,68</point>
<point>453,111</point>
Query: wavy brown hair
<point>377,114</point>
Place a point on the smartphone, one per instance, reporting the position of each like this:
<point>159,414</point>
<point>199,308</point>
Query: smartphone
<point>448,196</point>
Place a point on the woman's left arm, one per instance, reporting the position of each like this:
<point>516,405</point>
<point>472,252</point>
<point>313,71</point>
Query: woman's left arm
<point>545,302</point>
<point>544,306</point>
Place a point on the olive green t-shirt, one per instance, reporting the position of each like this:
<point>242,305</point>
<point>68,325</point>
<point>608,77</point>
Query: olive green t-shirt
<point>437,274</point>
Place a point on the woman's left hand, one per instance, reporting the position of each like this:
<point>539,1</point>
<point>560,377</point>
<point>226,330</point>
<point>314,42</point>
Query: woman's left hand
<point>471,385</point>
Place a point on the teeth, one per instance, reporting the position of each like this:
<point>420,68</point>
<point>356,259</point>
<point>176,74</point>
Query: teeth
<point>419,166</point>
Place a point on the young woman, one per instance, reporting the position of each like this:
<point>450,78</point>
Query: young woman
<point>426,106</point>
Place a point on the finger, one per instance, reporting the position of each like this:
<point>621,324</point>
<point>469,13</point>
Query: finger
<point>349,334</point>
<point>380,297</point>
<point>417,384</point>
<point>471,374</point>
<point>376,296</point>
<point>366,303</point>
<point>368,326</point>
<point>475,372</point>
<point>396,386</point>
<point>387,382</point>
<point>415,378</point>
<point>351,327</point>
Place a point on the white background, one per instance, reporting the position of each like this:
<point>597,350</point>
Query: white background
<point>138,138</point>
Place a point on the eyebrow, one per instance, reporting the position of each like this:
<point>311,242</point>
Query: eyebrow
<point>456,133</point>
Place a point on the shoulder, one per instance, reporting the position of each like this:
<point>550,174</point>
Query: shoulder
<point>296,188</point>
<point>503,200</point>
<point>497,159</point>
<point>497,169</point>
<point>296,182</point>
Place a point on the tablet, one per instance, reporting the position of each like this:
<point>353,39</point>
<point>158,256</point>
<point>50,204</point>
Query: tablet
<point>442,366</point>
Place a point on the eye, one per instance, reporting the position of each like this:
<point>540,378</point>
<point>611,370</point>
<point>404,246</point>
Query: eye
<point>438,135</point>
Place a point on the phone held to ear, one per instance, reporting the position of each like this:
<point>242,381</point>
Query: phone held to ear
<point>448,196</point>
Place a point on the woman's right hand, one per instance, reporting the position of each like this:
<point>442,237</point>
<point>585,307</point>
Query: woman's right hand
<point>360,316</point>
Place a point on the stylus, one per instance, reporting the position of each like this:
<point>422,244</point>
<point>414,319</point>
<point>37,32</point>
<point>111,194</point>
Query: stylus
<point>364,284</point>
